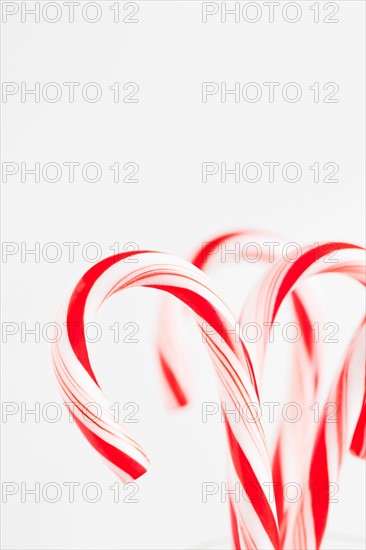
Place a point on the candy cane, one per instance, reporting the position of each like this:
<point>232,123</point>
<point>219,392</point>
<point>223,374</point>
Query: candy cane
<point>171,348</point>
<point>334,439</point>
<point>306,376</point>
<point>305,527</point>
<point>254,520</point>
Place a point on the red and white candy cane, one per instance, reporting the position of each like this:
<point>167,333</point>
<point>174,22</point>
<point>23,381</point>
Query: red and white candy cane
<point>303,526</point>
<point>291,456</point>
<point>171,347</point>
<point>254,520</point>
<point>306,373</point>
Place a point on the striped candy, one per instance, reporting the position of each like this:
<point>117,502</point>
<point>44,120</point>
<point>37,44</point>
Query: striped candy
<point>303,525</point>
<point>255,520</point>
<point>318,451</point>
<point>173,361</point>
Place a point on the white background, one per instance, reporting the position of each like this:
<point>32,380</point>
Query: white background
<point>168,133</point>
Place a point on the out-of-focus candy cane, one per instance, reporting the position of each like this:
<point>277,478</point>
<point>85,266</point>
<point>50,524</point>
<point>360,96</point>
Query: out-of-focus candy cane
<point>254,519</point>
<point>171,347</point>
<point>303,526</point>
<point>334,439</point>
<point>305,376</point>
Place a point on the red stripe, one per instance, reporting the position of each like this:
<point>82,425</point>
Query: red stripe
<point>300,265</point>
<point>305,322</point>
<point>177,390</point>
<point>201,307</point>
<point>209,248</point>
<point>75,313</point>
<point>358,441</point>
<point>319,480</point>
<point>278,482</point>
<point>251,486</point>
<point>111,453</point>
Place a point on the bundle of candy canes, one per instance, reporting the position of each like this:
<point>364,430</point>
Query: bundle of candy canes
<point>317,449</point>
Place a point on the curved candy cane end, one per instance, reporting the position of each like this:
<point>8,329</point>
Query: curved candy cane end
<point>178,396</point>
<point>358,444</point>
